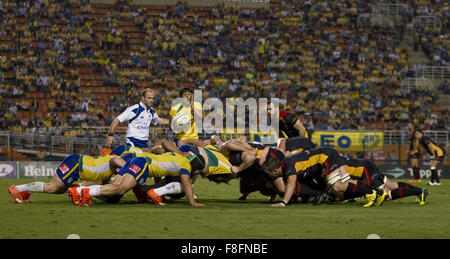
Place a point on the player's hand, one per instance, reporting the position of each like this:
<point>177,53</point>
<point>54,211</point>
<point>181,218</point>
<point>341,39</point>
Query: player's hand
<point>109,141</point>
<point>196,204</point>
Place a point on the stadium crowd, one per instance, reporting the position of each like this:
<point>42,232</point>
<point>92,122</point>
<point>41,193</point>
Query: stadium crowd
<point>339,77</point>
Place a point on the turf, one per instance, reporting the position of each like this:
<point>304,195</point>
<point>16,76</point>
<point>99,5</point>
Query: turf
<point>223,217</point>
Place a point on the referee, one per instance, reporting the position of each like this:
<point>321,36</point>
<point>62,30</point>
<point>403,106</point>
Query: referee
<point>139,117</point>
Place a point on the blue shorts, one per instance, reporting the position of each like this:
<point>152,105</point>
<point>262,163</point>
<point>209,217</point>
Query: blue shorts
<point>118,151</point>
<point>187,148</point>
<point>128,156</point>
<point>135,167</point>
<point>69,169</point>
<point>137,142</point>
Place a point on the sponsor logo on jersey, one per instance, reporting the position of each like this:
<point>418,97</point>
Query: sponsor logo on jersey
<point>63,168</point>
<point>135,169</point>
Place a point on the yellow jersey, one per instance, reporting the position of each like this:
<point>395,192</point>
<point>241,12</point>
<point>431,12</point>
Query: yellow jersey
<point>95,168</point>
<point>192,132</point>
<point>217,162</point>
<point>167,164</point>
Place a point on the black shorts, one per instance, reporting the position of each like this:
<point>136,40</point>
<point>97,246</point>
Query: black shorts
<point>299,143</point>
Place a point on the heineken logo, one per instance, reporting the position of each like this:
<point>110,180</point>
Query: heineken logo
<point>38,169</point>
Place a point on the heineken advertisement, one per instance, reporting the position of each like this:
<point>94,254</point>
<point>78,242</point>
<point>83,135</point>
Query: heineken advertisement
<point>37,169</point>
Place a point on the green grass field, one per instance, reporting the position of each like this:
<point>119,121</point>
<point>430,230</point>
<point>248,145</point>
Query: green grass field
<point>223,217</point>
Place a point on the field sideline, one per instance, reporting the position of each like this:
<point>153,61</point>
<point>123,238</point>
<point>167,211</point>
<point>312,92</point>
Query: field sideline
<point>224,217</point>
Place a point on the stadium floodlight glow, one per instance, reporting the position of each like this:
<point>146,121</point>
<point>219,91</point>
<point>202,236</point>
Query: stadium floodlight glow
<point>236,110</point>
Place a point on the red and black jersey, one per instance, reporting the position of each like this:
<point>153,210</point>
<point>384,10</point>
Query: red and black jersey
<point>312,165</point>
<point>287,122</point>
<point>365,171</point>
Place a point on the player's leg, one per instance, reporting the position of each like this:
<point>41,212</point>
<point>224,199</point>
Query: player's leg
<point>156,194</point>
<point>305,191</point>
<point>21,193</point>
<point>415,168</point>
<point>132,174</point>
<point>127,183</point>
<point>55,186</point>
<point>66,173</point>
<point>338,181</point>
<point>401,189</point>
<point>434,174</point>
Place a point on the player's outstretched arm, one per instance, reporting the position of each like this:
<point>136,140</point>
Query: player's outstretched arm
<point>280,187</point>
<point>191,141</point>
<point>172,147</point>
<point>290,188</point>
<point>187,186</point>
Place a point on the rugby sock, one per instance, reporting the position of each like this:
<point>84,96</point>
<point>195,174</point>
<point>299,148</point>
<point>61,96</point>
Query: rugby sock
<point>434,175</point>
<point>357,190</point>
<point>94,190</point>
<point>170,188</point>
<point>416,173</point>
<point>305,190</point>
<point>31,187</point>
<point>403,192</point>
<point>411,187</point>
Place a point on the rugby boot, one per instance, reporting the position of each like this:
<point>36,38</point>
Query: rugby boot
<point>15,194</point>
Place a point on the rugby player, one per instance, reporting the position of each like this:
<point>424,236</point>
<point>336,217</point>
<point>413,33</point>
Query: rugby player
<point>92,170</point>
<point>436,152</point>
<point>195,110</point>
<point>414,152</point>
<point>217,167</point>
<point>325,168</point>
<point>289,125</point>
<point>137,170</point>
<point>366,172</point>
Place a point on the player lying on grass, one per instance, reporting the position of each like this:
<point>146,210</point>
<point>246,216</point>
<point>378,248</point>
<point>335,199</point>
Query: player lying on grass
<point>137,170</point>
<point>91,170</point>
<point>366,172</point>
<point>325,168</point>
